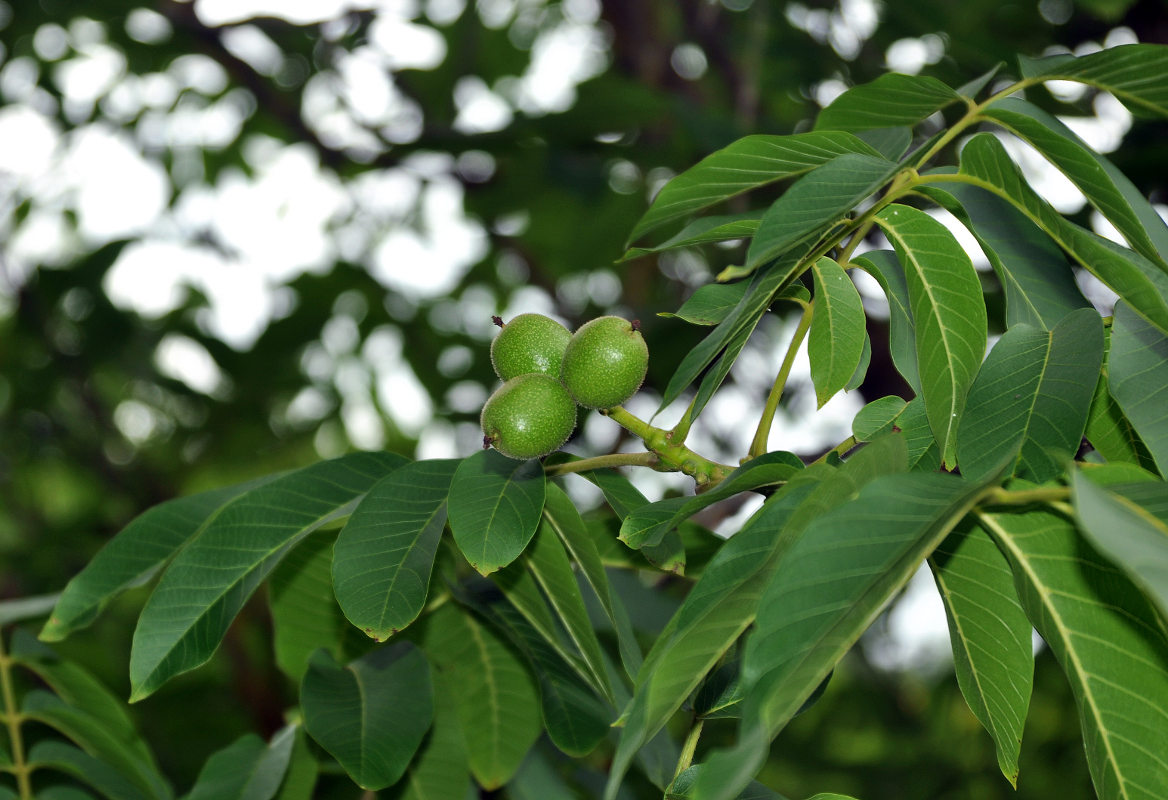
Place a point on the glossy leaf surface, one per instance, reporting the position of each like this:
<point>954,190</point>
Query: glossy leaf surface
<point>494,508</point>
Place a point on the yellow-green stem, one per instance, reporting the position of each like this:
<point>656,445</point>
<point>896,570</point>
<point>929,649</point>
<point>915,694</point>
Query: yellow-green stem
<point>689,747</point>
<point>681,429</point>
<point>602,462</point>
<point>1004,497</point>
<point>763,432</point>
<point>671,456</point>
<point>19,768</point>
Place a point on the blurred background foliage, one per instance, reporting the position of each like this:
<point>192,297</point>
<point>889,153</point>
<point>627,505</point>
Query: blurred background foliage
<point>237,237</point>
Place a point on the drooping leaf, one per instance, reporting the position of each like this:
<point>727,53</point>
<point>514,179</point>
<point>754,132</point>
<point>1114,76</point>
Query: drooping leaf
<point>647,524</point>
<point>1108,189</point>
<point>1131,72</point>
<point>703,230</point>
<point>493,692</point>
<point>746,164</point>
<point>370,714</point>
<point>247,769</point>
<point>97,738</point>
<point>886,269</point>
<point>815,202</point>
<point>877,418</point>
<point>716,611</point>
<point>99,714</point>
<point>1038,283</point>
<point>836,340</point>
<point>576,719</point>
<point>384,554</point>
<point>835,579</point>
<point>711,303</point>
<point>984,163</point>
<point>1138,379</point>
<point>1031,397</point>
<point>1108,641</point>
<point>136,555</point>
<point>494,508</point>
<point>548,561</point>
<point>892,99</point>
<point>305,614</point>
<point>948,312</point>
<point>64,757</point>
<point>1125,527</point>
<point>564,519</point>
<point>990,636</point>
<point>213,576</point>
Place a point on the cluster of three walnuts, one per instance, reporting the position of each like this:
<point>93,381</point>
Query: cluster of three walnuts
<point>548,371</point>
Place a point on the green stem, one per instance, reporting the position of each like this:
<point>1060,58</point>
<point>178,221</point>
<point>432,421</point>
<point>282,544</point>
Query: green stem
<point>689,748</point>
<point>971,116</point>
<point>672,456</point>
<point>681,429</point>
<point>763,432</point>
<point>20,767</point>
<point>841,448</point>
<point>601,462</point>
<point>1004,497</point>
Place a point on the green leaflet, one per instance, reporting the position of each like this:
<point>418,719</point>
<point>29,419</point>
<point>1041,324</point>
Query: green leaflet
<point>439,770</point>
<point>213,576</point>
<point>990,636</point>
<point>877,418</point>
<point>125,754</point>
<point>948,311</point>
<point>247,769</point>
<point>711,303</point>
<point>883,266</point>
<point>1131,72</point>
<point>494,508</point>
<point>1108,189</point>
<point>703,230</point>
<point>384,554</point>
<point>575,717</point>
<point>835,578</point>
<point>1108,430</point>
<point>836,340</point>
<point>746,164</point>
<point>1038,283</point>
<point>1031,398</point>
<point>1138,379</point>
<point>370,714</point>
<point>305,614</point>
<point>58,755</point>
<point>564,519</point>
<point>984,163</point>
<point>136,555</point>
<point>715,612</point>
<point>548,562</point>
<point>891,100</point>
<point>814,203</point>
<point>98,711</point>
<point>1107,639</point>
<point>1128,524</point>
<point>494,693</point>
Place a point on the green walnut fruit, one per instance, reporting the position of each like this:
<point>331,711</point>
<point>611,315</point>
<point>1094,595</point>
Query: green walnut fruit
<point>605,362</point>
<point>529,343</point>
<point>529,416</point>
